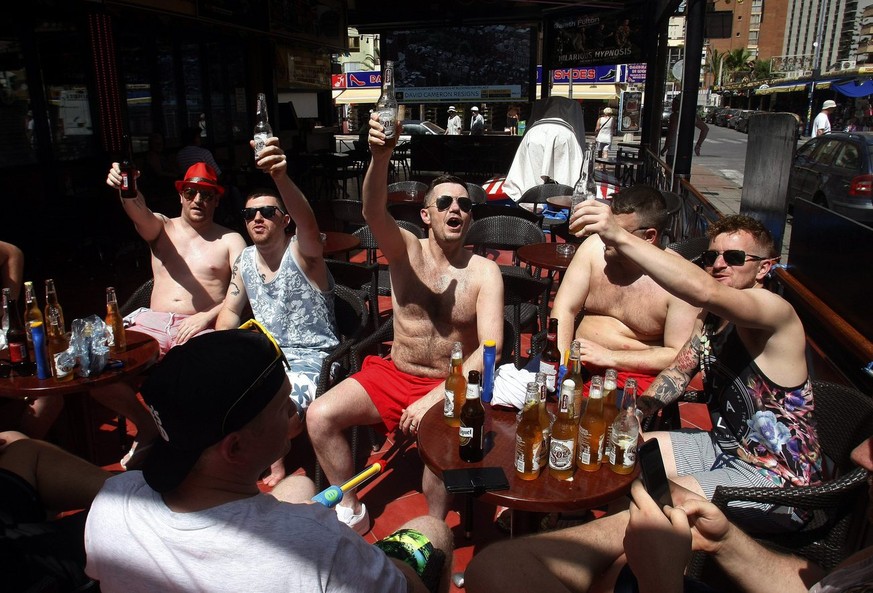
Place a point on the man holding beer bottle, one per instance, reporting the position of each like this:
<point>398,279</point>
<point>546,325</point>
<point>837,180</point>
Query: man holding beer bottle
<point>631,324</point>
<point>441,294</point>
<point>191,259</point>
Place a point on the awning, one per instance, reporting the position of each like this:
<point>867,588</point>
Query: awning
<point>854,88</point>
<point>357,96</point>
<point>782,88</point>
<point>583,91</point>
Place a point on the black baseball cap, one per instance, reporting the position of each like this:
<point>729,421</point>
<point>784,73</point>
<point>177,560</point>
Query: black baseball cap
<point>203,390</point>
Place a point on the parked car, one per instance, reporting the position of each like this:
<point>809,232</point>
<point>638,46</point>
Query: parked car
<point>725,116</point>
<point>412,127</point>
<point>713,114</point>
<point>740,122</point>
<point>835,171</point>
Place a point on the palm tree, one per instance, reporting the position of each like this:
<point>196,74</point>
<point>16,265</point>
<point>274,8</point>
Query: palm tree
<point>737,62</point>
<point>761,70</point>
<point>713,63</point>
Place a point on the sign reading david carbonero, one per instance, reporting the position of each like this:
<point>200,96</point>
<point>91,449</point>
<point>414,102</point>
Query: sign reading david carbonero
<point>595,38</point>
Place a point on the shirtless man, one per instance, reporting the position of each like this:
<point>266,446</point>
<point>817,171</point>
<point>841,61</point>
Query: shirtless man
<point>751,347</point>
<point>284,279</point>
<point>441,294</point>
<point>631,324</point>
<point>191,264</point>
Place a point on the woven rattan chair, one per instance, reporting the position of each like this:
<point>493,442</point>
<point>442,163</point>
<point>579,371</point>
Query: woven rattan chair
<point>368,243</point>
<point>504,233</point>
<point>412,188</point>
<point>348,213</point>
<point>844,418</point>
<point>476,193</point>
<point>141,297</point>
<point>690,248</point>
<point>526,304</point>
<point>363,279</point>
<point>537,196</point>
<point>486,210</point>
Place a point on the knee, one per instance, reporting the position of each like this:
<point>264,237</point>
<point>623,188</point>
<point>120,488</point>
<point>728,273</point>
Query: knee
<point>296,489</point>
<point>484,566</point>
<point>436,531</point>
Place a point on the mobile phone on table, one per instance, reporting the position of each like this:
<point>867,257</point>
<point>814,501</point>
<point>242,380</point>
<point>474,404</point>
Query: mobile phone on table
<point>652,472</point>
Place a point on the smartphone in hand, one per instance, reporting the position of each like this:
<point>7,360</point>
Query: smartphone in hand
<point>652,472</point>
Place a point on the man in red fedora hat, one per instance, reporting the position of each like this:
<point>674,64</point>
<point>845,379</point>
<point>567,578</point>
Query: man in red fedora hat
<point>192,257</point>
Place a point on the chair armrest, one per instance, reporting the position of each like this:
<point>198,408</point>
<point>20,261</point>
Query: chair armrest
<point>359,350</point>
<point>828,494</point>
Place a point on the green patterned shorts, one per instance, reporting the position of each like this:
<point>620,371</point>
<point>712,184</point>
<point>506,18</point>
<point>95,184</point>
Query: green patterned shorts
<point>409,546</point>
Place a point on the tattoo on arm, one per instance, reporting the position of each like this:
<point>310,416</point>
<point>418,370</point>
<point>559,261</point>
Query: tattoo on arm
<point>671,382</point>
<point>234,289</point>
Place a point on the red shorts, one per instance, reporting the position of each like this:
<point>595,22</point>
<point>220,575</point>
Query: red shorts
<point>391,390</point>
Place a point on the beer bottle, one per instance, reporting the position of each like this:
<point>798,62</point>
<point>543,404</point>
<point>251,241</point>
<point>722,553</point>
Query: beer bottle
<point>625,433</point>
<point>128,170</point>
<point>472,427</point>
<point>62,368</point>
<point>456,386</point>
<point>4,322</point>
<point>610,406</point>
<point>16,338</point>
<point>529,436</point>
<point>550,359</point>
<point>590,183</point>
<point>575,375</point>
<point>262,125</point>
<point>489,359</point>
<point>386,106</point>
<point>545,420</point>
<point>591,429</point>
<point>562,447</point>
<point>52,305</point>
<point>114,324</point>
<point>32,314</point>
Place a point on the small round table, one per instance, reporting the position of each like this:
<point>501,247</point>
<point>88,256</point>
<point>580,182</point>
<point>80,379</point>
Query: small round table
<point>545,255</point>
<point>336,242</point>
<point>562,202</point>
<point>438,447</point>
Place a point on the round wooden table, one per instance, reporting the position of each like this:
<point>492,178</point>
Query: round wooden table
<point>336,242</point>
<point>405,197</point>
<point>141,353</point>
<point>438,447</point>
<point>546,255</point>
<point>562,202</point>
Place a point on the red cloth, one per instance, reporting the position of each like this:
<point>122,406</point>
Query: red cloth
<point>392,390</point>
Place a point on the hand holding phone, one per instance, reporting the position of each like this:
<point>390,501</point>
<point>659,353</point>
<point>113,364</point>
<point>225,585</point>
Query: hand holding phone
<point>652,472</point>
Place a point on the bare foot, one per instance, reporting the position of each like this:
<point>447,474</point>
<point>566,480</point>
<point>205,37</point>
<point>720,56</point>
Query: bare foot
<point>697,150</point>
<point>277,472</point>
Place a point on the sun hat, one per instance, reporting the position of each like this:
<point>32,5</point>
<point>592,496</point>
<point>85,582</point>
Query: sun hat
<point>829,104</point>
<point>451,108</point>
<point>200,175</point>
<point>203,390</point>
<point>474,108</point>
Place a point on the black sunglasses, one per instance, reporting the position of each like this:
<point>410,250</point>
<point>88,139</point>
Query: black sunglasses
<point>732,257</point>
<point>445,202</point>
<point>266,211</point>
<point>191,192</point>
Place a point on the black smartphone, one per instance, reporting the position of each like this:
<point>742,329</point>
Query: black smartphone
<point>652,472</point>
<point>475,480</point>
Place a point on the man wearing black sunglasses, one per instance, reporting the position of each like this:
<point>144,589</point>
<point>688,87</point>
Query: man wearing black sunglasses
<point>191,262</point>
<point>440,294</point>
<point>284,279</point>
<point>750,346</point>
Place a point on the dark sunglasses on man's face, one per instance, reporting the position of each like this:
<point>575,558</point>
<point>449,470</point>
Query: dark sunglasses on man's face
<point>445,202</point>
<point>266,211</point>
<point>732,257</point>
<point>191,192</point>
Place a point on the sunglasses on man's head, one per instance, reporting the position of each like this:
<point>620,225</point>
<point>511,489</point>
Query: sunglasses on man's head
<point>266,211</point>
<point>732,257</point>
<point>191,192</point>
<point>445,202</point>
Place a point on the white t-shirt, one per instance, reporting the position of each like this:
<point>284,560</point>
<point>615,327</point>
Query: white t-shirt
<point>134,543</point>
<point>821,122</point>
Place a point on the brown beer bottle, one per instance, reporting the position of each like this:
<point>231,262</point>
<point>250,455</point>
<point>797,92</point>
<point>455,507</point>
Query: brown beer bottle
<point>550,359</point>
<point>128,170</point>
<point>545,420</point>
<point>32,314</point>
<point>456,387</point>
<point>16,338</point>
<point>562,447</point>
<point>52,306</point>
<point>529,436</point>
<point>114,324</point>
<point>57,343</point>
<point>472,426</point>
<point>591,429</point>
<point>625,432</point>
<point>610,406</point>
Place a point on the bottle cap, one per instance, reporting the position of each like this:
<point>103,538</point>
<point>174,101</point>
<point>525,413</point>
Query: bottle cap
<point>490,344</point>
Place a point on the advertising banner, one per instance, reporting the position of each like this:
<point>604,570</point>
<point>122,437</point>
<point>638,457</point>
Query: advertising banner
<point>595,38</point>
<point>629,107</point>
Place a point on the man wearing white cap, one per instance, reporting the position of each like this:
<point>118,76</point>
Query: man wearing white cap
<point>453,128</point>
<point>822,123</point>
<point>477,123</point>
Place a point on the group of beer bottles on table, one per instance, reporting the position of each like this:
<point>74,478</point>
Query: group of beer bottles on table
<point>36,341</point>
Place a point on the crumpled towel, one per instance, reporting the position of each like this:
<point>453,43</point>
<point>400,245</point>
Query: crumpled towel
<point>510,386</point>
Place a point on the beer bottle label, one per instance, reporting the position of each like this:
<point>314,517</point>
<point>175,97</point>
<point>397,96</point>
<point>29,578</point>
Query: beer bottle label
<point>520,465</point>
<point>449,404</point>
<point>110,335</point>
<point>17,352</point>
<point>466,434</point>
<point>561,454</point>
<point>584,444</point>
<point>260,141</point>
<point>551,371</point>
<point>386,118</point>
<point>125,181</point>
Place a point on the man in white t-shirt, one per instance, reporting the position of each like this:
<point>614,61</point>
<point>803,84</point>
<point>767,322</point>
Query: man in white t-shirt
<point>454,124</point>
<point>822,122</point>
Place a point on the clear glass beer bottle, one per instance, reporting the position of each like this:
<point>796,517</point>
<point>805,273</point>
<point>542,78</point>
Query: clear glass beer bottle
<point>529,436</point>
<point>562,447</point>
<point>128,170</point>
<point>456,387</point>
<point>263,130</point>
<point>625,432</point>
<point>610,405</point>
<point>52,306</point>
<point>386,106</point>
<point>591,429</point>
<point>550,359</point>
<point>58,343</point>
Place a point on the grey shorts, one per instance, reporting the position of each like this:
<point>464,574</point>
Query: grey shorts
<point>697,455</point>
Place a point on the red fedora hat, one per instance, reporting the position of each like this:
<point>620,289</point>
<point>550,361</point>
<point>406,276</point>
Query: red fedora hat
<point>200,175</point>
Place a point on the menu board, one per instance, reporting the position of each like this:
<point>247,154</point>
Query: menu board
<point>629,107</point>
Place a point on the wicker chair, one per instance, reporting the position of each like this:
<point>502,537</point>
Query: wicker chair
<point>690,248</point>
<point>486,210</point>
<point>407,212</point>
<point>412,188</point>
<point>348,213</point>
<point>537,196</point>
<point>476,193</point>
<point>526,304</point>
<point>674,211</point>
<point>844,418</point>
<point>363,279</point>
<point>141,297</point>
<point>368,243</point>
<point>504,233</point>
